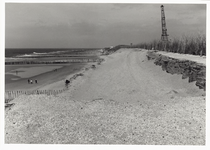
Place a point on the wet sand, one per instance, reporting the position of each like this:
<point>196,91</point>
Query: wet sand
<point>44,74</point>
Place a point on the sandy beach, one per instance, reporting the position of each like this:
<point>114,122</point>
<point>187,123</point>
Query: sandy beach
<point>44,74</point>
<point>125,100</point>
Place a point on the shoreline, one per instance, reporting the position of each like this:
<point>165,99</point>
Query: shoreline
<point>45,78</point>
<point>55,83</point>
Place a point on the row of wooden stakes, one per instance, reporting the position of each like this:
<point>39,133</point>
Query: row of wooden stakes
<point>10,95</point>
<point>54,62</point>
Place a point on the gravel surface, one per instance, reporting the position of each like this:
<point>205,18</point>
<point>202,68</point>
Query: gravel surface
<point>126,100</point>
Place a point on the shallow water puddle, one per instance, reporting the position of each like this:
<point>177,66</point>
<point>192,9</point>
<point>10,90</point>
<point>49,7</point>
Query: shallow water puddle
<point>31,71</point>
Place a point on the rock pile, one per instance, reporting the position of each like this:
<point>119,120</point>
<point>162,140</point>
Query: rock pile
<point>189,69</point>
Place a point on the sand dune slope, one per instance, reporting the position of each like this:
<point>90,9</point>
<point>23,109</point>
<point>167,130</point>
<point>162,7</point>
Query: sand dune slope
<point>126,100</point>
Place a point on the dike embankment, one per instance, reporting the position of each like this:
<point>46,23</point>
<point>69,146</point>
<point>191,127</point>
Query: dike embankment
<point>192,70</point>
<point>125,100</point>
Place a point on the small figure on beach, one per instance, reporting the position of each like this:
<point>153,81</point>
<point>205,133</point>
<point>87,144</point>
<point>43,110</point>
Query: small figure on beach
<point>28,81</point>
<point>93,66</point>
<point>31,81</point>
<point>67,83</point>
<point>36,81</point>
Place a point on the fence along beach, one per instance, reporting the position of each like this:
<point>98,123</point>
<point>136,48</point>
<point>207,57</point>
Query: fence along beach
<point>10,95</point>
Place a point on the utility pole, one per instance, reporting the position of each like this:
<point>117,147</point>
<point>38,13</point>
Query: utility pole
<point>164,36</point>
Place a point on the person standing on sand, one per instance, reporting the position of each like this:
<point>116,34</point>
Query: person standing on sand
<point>31,81</point>
<point>36,81</point>
<point>28,81</point>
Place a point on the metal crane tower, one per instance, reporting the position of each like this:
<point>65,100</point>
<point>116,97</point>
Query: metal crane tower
<point>164,36</point>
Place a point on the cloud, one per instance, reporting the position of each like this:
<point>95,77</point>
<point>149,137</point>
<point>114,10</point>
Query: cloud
<point>96,25</point>
<point>84,28</point>
<point>120,6</point>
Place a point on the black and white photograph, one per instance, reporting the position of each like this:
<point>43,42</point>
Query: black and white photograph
<point>105,73</point>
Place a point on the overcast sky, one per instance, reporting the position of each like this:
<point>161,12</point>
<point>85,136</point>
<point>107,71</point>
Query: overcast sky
<point>97,25</point>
